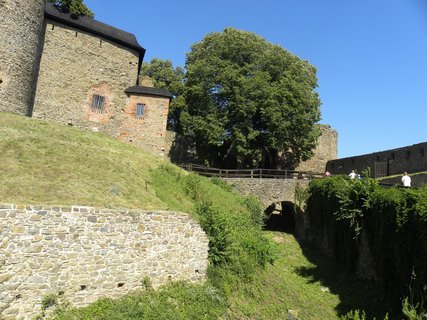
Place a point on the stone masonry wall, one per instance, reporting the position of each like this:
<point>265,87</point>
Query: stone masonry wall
<point>268,191</point>
<point>327,149</point>
<point>21,24</point>
<point>76,65</point>
<point>149,131</point>
<point>411,159</point>
<point>84,253</point>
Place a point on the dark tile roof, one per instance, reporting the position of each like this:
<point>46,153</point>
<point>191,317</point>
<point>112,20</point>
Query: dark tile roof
<point>95,27</point>
<point>150,91</point>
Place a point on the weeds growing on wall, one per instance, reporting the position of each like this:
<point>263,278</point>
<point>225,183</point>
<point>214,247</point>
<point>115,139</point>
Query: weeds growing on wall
<point>237,246</point>
<point>393,220</point>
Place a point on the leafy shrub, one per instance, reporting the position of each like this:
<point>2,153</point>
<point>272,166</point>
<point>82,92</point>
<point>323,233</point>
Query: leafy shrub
<point>192,187</point>
<point>49,300</point>
<point>232,222</point>
<point>214,224</point>
<point>257,214</point>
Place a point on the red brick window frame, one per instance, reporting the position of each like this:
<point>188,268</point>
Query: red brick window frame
<point>98,103</point>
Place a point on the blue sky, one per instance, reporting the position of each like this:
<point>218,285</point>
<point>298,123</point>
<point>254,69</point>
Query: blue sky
<point>371,55</point>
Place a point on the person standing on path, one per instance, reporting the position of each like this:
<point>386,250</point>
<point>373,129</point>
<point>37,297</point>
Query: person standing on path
<point>406,180</point>
<point>352,174</point>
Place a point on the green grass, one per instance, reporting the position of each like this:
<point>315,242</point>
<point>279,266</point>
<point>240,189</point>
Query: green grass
<point>46,163</point>
<point>304,283</point>
<point>177,301</point>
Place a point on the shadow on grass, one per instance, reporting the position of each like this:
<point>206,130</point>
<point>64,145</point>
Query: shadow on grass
<point>353,292</point>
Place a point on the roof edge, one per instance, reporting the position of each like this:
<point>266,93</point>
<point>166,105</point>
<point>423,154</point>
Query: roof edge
<point>150,91</point>
<point>76,23</point>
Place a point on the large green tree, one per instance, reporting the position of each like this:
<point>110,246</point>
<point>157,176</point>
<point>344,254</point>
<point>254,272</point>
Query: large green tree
<point>248,102</point>
<point>75,7</point>
<point>167,77</point>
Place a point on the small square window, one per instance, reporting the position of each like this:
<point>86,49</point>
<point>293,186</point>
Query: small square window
<point>140,109</point>
<point>97,103</point>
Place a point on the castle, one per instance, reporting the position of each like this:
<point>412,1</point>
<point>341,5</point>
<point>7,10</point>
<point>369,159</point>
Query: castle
<point>77,71</point>
<point>81,72</point>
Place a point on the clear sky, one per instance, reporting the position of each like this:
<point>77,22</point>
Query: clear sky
<point>371,55</point>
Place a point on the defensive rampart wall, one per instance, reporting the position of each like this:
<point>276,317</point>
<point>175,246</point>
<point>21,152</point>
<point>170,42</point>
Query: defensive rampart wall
<point>394,161</point>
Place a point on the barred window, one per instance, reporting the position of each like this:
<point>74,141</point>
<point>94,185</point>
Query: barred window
<point>97,103</point>
<point>140,109</point>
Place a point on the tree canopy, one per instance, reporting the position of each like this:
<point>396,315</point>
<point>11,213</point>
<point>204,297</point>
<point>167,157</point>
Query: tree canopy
<point>167,77</point>
<point>243,101</point>
<point>248,102</point>
<point>75,7</point>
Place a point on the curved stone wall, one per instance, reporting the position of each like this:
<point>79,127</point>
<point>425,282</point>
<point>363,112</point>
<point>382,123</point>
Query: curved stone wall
<point>21,32</point>
<point>84,253</point>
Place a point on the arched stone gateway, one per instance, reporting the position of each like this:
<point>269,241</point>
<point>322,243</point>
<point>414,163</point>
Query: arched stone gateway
<point>282,216</point>
<point>278,198</point>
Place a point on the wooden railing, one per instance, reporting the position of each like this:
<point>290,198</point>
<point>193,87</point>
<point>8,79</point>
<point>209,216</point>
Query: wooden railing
<point>250,173</point>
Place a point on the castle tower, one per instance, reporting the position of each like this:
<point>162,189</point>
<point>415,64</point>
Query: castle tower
<point>21,24</point>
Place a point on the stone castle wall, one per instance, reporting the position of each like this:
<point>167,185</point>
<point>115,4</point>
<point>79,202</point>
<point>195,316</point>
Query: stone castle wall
<point>327,149</point>
<point>411,159</point>
<point>21,24</point>
<point>74,66</point>
<point>84,254</point>
<point>149,132</point>
<point>77,65</point>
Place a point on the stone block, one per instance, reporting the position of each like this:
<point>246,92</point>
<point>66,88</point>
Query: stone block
<point>18,229</point>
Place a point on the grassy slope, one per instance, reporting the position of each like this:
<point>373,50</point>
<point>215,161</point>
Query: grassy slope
<point>46,163</point>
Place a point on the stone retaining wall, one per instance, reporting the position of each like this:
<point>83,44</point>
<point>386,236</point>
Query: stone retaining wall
<point>84,253</point>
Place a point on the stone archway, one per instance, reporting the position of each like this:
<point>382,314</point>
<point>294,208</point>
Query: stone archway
<point>281,216</point>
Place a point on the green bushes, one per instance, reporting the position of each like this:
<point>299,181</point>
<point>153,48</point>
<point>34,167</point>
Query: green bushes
<point>237,246</point>
<point>393,220</point>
